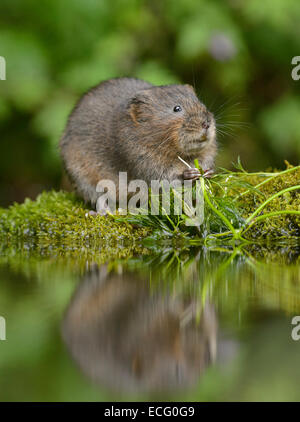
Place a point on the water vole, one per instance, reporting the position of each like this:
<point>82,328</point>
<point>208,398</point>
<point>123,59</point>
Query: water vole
<point>129,125</point>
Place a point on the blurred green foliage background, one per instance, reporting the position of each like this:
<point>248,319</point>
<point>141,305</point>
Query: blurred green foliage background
<point>236,53</point>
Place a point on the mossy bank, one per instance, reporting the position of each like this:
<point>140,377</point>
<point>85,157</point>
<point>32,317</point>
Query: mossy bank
<point>265,205</point>
<point>57,222</point>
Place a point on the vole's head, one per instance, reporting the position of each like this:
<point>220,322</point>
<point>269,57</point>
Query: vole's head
<point>174,115</point>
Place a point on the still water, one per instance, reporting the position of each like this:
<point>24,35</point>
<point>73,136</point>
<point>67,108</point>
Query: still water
<point>187,323</point>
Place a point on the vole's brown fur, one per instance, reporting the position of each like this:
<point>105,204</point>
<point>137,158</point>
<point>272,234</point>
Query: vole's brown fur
<point>130,125</point>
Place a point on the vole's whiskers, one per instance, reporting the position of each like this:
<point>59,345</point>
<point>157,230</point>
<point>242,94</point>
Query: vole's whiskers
<point>228,119</point>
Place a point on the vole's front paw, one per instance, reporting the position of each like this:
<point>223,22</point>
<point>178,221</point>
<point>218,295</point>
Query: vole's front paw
<point>191,174</point>
<point>208,173</point>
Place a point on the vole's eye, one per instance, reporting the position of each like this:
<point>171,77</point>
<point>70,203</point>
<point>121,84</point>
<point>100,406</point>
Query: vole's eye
<point>177,108</point>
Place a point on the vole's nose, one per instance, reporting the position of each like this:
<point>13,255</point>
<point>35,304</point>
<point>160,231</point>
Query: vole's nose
<point>205,125</point>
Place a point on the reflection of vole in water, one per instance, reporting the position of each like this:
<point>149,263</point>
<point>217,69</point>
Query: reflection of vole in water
<point>130,339</point>
<point>129,125</point>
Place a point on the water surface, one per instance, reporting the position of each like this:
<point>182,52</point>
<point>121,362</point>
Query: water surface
<point>187,323</point>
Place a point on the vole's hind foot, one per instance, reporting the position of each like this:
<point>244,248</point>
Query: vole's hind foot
<point>91,214</point>
<point>191,174</point>
<point>103,212</point>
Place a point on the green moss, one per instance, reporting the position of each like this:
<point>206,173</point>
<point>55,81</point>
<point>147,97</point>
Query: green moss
<point>58,219</point>
<point>280,226</point>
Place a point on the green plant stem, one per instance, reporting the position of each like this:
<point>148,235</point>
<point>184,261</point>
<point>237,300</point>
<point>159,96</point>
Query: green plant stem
<point>250,218</point>
<point>221,234</point>
<point>216,211</point>
<point>270,178</point>
<point>270,214</point>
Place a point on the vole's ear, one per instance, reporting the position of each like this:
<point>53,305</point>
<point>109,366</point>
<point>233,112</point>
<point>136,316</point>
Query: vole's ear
<point>190,87</point>
<point>136,107</point>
